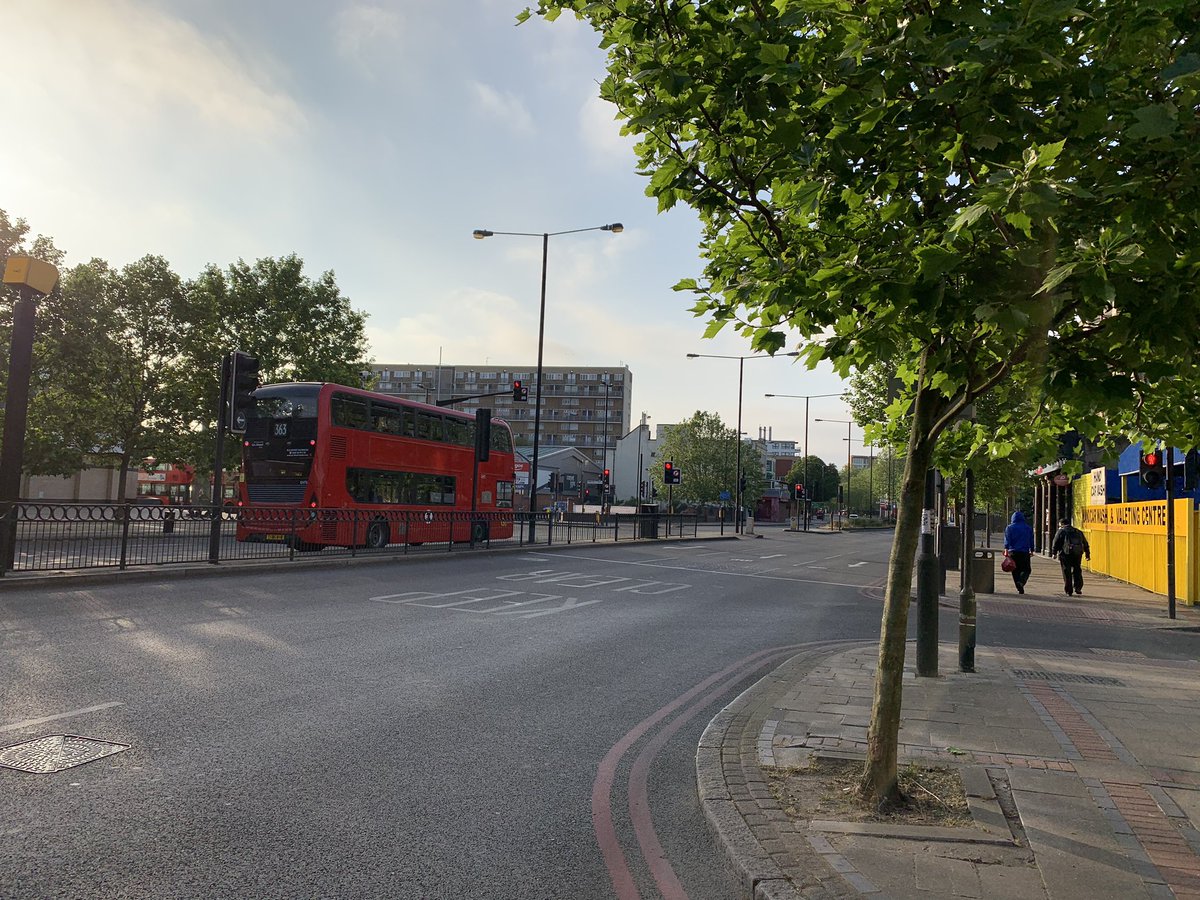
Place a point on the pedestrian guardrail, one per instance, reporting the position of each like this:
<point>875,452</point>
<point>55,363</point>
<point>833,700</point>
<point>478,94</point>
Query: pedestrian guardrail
<point>61,537</point>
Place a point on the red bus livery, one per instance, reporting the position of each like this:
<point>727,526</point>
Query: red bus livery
<point>328,465</point>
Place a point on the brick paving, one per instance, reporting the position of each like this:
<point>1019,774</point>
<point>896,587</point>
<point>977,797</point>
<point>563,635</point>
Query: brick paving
<point>1062,728</point>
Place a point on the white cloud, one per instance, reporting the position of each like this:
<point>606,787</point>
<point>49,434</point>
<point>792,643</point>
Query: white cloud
<point>503,107</point>
<point>122,64</point>
<point>600,134</point>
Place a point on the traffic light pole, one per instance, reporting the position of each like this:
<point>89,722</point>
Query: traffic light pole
<point>214,534</point>
<point>927,588</point>
<point>450,401</point>
<point>20,365</point>
<point>1170,532</point>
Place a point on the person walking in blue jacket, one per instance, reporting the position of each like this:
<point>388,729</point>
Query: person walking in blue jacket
<point>1018,545</point>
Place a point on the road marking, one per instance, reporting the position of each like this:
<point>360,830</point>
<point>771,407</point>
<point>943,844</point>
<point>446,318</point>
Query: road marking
<point>771,556</point>
<point>857,564</point>
<point>505,605</point>
<point>28,723</point>
<point>694,571</point>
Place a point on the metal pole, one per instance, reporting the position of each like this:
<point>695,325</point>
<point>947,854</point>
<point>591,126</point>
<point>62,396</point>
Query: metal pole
<point>1170,532</point>
<point>847,512</point>
<point>12,456</point>
<point>927,589</point>
<point>612,475</point>
<point>807,498</point>
<point>737,484</point>
<point>214,534</point>
<point>537,396</point>
<point>967,607</point>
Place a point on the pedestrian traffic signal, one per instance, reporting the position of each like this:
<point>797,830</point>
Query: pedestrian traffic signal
<point>1152,470</point>
<point>520,392</point>
<point>243,381</point>
<point>671,475</point>
<point>606,477</point>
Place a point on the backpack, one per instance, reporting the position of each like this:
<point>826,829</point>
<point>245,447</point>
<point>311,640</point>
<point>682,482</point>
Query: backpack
<point>1073,542</point>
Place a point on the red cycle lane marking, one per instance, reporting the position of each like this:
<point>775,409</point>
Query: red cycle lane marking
<point>602,818</point>
<point>639,795</point>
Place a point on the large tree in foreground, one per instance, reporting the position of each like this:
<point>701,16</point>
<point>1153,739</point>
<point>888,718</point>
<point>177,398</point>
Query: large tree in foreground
<point>963,189</point>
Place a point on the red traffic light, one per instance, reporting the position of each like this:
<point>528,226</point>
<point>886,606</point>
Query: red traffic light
<point>1152,459</point>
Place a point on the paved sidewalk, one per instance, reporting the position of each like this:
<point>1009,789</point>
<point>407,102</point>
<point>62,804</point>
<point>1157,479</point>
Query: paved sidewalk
<point>1082,769</point>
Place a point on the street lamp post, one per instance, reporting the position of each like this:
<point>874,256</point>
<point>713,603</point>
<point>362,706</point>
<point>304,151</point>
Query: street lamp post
<point>806,398</point>
<point>737,480</point>
<point>612,474</point>
<point>848,423</point>
<point>479,234</point>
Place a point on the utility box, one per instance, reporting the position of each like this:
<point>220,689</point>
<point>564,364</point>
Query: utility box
<point>949,546</point>
<point>648,520</point>
<point>983,570</point>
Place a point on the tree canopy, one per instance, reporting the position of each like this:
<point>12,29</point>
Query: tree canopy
<point>127,361</point>
<point>966,190</point>
<point>704,450</point>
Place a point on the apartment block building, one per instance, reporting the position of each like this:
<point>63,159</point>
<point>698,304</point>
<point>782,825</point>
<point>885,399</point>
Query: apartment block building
<point>583,408</point>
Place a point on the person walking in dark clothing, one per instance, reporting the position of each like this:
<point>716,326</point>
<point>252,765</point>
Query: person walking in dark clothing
<point>1018,545</point>
<point>1070,545</point>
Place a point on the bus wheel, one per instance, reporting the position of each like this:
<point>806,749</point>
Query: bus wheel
<point>479,532</point>
<point>377,535</point>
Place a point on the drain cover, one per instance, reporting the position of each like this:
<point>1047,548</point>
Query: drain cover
<point>55,753</point>
<point>1073,677</point>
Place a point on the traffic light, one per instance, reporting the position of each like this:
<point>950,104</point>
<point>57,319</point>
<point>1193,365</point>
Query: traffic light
<point>1152,471</point>
<point>554,482</point>
<point>799,491</point>
<point>1191,470</point>
<point>243,380</point>
<point>642,490</point>
<point>520,392</point>
<point>671,475</point>
<point>607,474</point>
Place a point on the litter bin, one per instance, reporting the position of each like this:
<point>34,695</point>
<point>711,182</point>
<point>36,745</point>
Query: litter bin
<point>648,520</point>
<point>983,570</point>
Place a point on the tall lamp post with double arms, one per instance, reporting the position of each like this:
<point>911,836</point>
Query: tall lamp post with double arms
<point>849,424</point>
<point>806,398</point>
<point>479,234</point>
<point>737,480</point>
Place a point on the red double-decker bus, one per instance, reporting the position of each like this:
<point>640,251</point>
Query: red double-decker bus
<point>329,465</point>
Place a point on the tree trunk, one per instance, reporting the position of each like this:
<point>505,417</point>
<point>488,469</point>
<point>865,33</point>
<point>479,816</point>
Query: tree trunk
<point>122,474</point>
<point>880,784</point>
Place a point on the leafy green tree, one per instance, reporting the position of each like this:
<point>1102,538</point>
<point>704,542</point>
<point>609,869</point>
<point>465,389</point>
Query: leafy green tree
<point>299,329</point>
<point>823,478</point>
<point>975,191</point>
<point>705,452</point>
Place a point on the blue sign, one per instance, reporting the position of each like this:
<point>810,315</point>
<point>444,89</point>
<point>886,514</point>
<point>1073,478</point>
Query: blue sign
<point>725,495</point>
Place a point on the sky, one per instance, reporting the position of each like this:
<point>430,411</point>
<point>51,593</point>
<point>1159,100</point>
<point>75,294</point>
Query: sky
<point>372,138</point>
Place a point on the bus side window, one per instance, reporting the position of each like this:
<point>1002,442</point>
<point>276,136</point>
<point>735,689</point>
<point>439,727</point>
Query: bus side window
<point>501,439</point>
<point>460,432</point>
<point>385,419</point>
<point>429,426</point>
<point>409,423</point>
<point>350,412</point>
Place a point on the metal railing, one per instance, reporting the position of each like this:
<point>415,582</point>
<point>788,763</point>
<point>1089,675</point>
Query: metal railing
<point>62,537</point>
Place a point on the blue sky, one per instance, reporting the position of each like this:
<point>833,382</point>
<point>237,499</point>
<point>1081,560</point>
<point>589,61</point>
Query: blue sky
<point>371,138</point>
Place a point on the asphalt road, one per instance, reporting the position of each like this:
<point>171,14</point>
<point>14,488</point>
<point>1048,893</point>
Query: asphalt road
<point>510,725</point>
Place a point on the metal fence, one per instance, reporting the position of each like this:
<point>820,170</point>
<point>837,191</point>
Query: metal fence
<point>59,537</point>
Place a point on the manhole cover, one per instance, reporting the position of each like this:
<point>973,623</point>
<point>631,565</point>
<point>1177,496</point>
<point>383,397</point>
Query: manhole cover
<point>1072,677</point>
<point>55,753</point>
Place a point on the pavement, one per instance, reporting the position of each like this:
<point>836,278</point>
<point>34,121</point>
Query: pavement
<point>1081,769</point>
